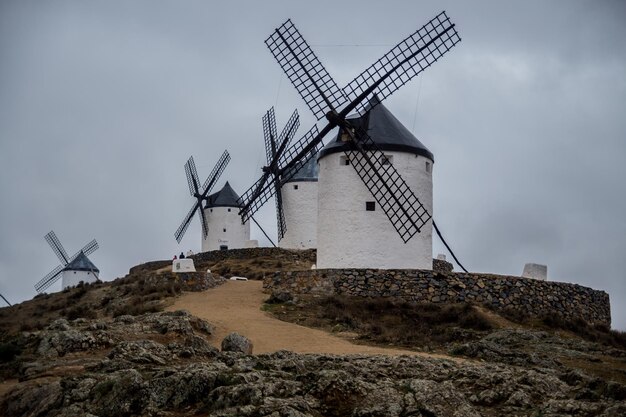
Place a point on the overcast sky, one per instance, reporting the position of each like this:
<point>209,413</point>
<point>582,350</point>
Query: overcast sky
<point>101,104</point>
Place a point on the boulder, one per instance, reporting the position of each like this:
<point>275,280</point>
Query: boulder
<point>279,297</point>
<point>235,342</point>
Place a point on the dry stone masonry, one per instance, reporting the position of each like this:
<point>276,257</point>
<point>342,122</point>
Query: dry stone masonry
<point>533,297</point>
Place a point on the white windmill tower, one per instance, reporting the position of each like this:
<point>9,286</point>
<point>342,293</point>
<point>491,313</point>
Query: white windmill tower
<point>381,171</point>
<point>73,270</point>
<point>300,199</point>
<point>349,215</point>
<point>225,228</point>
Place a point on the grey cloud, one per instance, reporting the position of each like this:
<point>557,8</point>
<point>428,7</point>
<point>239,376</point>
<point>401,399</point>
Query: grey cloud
<point>102,103</point>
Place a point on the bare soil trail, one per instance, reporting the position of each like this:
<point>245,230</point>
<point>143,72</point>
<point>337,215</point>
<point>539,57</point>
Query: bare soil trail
<point>236,307</point>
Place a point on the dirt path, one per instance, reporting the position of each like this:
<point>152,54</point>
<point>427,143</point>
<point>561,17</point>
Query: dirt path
<point>236,307</point>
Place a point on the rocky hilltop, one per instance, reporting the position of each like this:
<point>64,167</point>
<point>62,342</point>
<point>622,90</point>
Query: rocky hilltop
<point>123,361</point>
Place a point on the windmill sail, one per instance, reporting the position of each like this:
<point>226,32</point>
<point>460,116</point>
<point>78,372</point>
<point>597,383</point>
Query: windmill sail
<point>264,188</point>
<point>200,194</point>
<point>317,88</point>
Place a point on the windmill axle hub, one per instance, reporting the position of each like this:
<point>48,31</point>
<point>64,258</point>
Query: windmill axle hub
<point>333,118</point>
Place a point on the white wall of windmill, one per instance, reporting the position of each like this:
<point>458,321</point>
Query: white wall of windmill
<point>225,229</point>
<point>300,210</point>
<point>349,236</point>
<point>71,278</point>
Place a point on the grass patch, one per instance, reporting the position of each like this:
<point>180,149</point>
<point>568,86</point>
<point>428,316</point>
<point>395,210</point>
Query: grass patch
<point>593,333</point>
<point>384,321</point>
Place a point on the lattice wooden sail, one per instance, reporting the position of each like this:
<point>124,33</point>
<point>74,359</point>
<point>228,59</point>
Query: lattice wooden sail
<point>200,193</point>
<point>325,99</point>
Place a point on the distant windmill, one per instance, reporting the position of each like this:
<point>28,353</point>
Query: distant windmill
<point>326,100</point>
<point>296,192</point>
<point>226,230</point>
<point>200,194</point>
<point>73,269</point>
<point>298,209</point>
<point>280,168</point>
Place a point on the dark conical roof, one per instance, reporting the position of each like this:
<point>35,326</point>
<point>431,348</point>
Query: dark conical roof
<point>308,171</point>
<point>81,263</point>
<point>384,129</point>
<point>226,197</point>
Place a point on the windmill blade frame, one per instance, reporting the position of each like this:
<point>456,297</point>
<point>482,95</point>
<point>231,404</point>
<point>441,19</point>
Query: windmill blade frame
<point>203,222</point>
<point>180,232</point>
<point>405,61</point>
<point>193,183</point>
<point>50,278</point>
<point>269,134</point>
<point>57,247</point>
<point>400,204</point>
<point>281,224</point>
<point>192,177</point>
<point>263,189</point>
<point>288,158</point>
<point>88,249</point>
<point>296,58</point>
<point>216,173</point>
<point>248,198</point>
<point>288,132</point>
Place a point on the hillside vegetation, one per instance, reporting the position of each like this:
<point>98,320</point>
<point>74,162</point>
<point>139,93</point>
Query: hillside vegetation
<point>108,349</point>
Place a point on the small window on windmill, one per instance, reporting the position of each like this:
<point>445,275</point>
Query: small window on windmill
<point>345,136</point>
<point>344,160</point>
<point>211,210</point>
<point>387,159</point>
<point>428,167</point>
<point>295,187</point>
<point>370,206</point>
<point>229,210</point>
<point>224,230</point>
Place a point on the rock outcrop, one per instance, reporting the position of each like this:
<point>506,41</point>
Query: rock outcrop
<point>162,364</point>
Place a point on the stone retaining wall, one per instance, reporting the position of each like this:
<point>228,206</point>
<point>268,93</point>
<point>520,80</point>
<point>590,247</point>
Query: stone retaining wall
<point>533,297</point>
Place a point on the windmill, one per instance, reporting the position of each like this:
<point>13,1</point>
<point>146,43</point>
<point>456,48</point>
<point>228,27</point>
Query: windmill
<point>200,194</point>
<point>294,210</point>
<point>226,230</point>
<point>73,269</point>
<point>281,167</point>
<point>327,101</point>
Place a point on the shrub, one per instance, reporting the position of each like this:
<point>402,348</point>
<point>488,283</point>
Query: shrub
<point>387,321</point>
<point>77,293</point>
<point>8,352</point>
<point>105,301</point>
<point>595,333</point>
<point>81,311</point>
<point>135,307</point>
